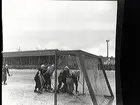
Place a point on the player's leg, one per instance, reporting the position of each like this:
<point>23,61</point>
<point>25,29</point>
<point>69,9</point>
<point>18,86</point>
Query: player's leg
<point>49,84</point>
<point>46,84</point>
<point>68,88</point>
<point>71,86</point>
<point>36,86</point>
<point>65,85</point>
<point>59,85</point>
<point>5,79</point>
<point>39,88</point>
<point>76,84</point>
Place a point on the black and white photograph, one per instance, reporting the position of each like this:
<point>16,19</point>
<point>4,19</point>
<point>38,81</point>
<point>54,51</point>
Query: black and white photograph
<point>58,52</point>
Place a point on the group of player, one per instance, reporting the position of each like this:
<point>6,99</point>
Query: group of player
<point>66,77</point>
<point>43,79</point>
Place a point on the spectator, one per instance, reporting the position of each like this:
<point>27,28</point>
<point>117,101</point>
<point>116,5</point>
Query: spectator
<point>5,71</point>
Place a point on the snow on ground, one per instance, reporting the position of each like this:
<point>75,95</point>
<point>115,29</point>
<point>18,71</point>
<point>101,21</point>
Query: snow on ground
<point>19,91</point>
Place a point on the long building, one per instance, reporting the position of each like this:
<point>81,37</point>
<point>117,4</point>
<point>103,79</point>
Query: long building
<point>33,59</point>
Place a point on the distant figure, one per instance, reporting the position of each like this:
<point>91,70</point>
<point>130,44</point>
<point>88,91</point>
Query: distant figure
<point>62,79</point>
<point>5,71</point>
<point>39,80</point>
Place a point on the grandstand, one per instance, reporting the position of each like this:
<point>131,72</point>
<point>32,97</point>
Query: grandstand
<point>33,59</point>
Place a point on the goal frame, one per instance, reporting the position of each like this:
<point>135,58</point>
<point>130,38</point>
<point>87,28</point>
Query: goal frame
<point>80,54</point>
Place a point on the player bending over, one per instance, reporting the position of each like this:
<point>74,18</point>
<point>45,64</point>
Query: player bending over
<point>62,79</point>
<point>39,80</point>
<point>70,84</point>
<point>76,77</point>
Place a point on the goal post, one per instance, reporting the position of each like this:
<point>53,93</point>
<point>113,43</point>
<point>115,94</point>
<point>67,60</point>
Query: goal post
<point>94,83</point>
<point>96,79</point>
<point>87,79</point>
<point>107,82</point>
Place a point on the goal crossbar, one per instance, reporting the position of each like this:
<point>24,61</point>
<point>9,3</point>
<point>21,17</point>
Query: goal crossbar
<point>81,56</point>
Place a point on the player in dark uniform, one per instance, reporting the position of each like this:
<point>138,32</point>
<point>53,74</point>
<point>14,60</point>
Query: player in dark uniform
<point>5,71</point>
<point>75,76</point>
<point>52,69</point>
<point>62,79</point>
<point>39,80</point>
<point>72,79</point>
<point>46,75</point>
<point>70,84</point>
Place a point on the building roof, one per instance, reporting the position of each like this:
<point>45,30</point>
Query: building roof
<point>53,52</point>
<point>29,53</point>
<point>45,53</point>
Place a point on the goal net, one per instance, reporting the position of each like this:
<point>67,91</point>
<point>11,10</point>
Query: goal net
<point>93,85</point>
<point>97,80</point>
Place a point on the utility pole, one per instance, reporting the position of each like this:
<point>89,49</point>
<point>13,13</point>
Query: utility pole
<point>107,48</point>
<point>107,52</point>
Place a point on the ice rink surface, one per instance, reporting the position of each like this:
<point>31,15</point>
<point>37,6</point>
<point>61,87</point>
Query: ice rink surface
<point>19,91</point>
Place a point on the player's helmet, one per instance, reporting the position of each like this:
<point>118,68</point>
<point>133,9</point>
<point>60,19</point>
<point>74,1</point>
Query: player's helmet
<point>42,66</point>
<point>66,68</point>
<point>48,67</point>
<point>6,65</point>
<point>52,65</point>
